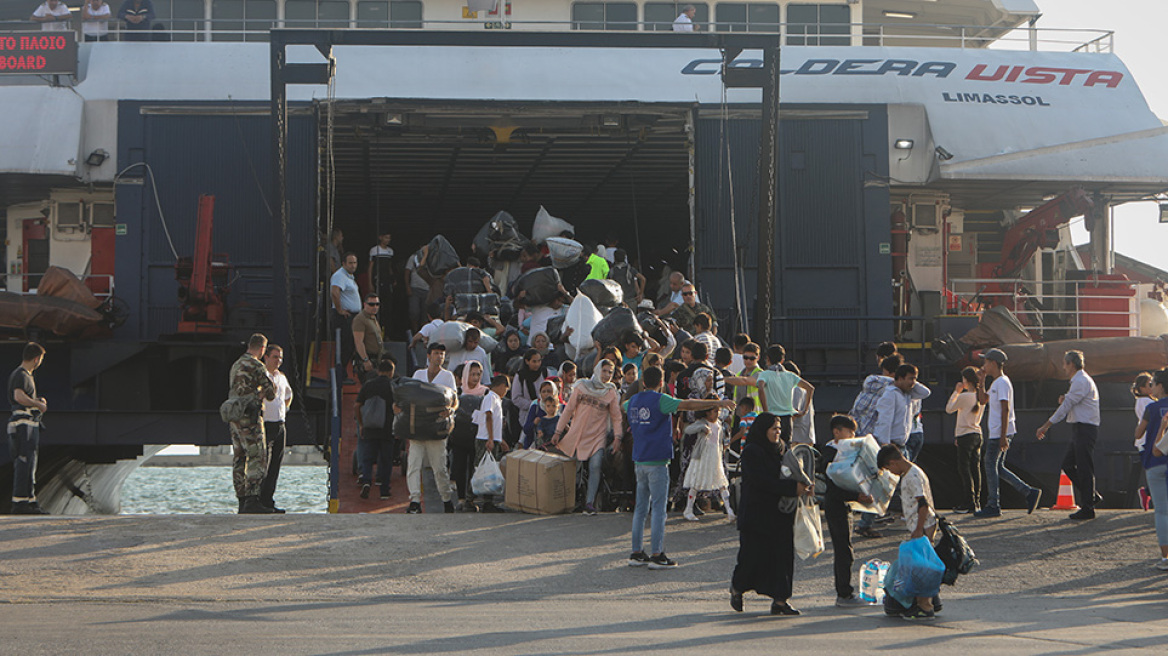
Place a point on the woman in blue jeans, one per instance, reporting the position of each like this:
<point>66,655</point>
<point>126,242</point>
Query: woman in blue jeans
<point>1155,459</point>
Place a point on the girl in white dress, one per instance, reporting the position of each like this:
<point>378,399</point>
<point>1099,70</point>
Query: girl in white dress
<point>705,472</point>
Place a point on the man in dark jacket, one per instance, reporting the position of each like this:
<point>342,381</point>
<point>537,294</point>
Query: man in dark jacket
<point>839,515</point>
<point>376,444</point>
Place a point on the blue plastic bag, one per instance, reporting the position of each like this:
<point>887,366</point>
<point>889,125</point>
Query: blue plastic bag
<point>919,570</point>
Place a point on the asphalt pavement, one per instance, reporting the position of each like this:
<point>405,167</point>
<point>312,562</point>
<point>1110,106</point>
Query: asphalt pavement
<point>522,584</point>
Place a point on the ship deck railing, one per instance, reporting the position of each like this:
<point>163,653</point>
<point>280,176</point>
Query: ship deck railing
<point>791,34</point>
<point>1055,309</point>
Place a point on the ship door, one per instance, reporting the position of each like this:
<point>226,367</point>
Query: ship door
<point>36,252</point>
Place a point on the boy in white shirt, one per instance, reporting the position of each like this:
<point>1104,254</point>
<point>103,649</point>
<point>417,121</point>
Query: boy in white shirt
<point>489,420</point>
<point>916,497</point>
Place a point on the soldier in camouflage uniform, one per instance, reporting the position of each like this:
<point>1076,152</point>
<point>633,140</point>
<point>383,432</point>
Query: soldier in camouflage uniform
<point>250,379</point>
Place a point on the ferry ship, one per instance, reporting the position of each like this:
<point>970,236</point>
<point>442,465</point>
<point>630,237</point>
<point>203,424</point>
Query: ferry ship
<point>914,138</point>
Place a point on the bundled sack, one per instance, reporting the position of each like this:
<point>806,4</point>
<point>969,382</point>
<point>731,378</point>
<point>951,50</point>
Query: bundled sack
<point>500,238</point>
<point>612,327</point>
<point>854,469</point>
<point>238,408</point>
<point>653,327</point>
<point>582,318</point>
<point>564,252</point>
<point>506,311</point>
<point>547,226</point>
<point>482,303</point>
<point>555,328</point>
<point>441,257</point>
<point>604,293</point>
<point>918,570</point>
<point>427,410</point>
<point>576,274</point>
<point>465,280</point>
<point>954,552</point>
<point>540,286</point>
<point>452,335</point>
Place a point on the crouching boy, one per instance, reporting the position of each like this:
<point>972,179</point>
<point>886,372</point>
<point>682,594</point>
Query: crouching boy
<point>916,497</point>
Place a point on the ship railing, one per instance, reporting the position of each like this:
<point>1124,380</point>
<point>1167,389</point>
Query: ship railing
<point>1055,309</point>
<point>792,34</point>
<point>101,284</point>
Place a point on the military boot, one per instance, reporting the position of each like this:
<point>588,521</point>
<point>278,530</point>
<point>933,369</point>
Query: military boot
<point>253,506</point>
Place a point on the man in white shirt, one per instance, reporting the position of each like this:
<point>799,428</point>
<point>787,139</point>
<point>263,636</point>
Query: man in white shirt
<point>434,372</point>
<point>95,17</point>
<point>684,22</point>
<point>381,274</point>
<point>417,289</point>
<point>274,413</point>
<point>53,16</point>
<point>470,351</point>
<point>346,302</point>
<point>894,409</point>
<point>999,402</point>
<point>1080,407</point>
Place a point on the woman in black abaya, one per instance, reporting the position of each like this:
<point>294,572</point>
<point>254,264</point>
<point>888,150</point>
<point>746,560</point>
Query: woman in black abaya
<point>766,536</point>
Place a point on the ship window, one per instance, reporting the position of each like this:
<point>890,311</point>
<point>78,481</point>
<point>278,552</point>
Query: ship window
<point>604,16</point>
<point>659,16</point>
<point>232,18</point>
<point>747,16</point>
<point>183,18</point>
<point>813,25</point>
<point>314,13</point>
<point>394,13</point>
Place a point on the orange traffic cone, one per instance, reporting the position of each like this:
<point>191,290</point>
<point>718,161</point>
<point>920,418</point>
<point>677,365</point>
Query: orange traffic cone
<point>1066,495</point>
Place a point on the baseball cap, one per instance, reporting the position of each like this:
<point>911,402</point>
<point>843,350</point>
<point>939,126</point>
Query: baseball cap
<point>997,355</point>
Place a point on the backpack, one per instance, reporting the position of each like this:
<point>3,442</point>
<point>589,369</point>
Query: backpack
<point>626,277</point>
<point>954,551</point>
<point>373,412</point>
<point>238,408</point>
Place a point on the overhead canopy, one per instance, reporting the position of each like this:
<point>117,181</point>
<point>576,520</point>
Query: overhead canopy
<point>43,130</point>
<point>1018,124</point>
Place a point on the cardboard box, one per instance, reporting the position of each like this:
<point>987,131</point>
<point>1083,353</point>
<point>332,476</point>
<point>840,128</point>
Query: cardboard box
<point>540,483</point>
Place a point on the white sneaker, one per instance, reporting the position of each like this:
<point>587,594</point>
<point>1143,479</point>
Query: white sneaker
<point>1162,565</point>
<point>690,516</point>
<point>732,517</point>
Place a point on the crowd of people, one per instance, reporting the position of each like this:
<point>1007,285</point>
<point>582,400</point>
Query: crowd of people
<point>692,423</point>
<point>135,19</point>
<point>665,415</point>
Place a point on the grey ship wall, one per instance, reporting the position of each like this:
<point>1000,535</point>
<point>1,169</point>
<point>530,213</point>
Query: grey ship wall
<point>833,290</point>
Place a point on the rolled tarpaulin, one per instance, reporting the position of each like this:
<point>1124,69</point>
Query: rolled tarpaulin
<point>1101,355</point>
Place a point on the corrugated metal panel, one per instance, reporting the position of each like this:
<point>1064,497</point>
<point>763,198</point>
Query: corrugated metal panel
<point>228,157</point>
<point>820,199</point>
<point>717,185</point>
<point>827,224</point>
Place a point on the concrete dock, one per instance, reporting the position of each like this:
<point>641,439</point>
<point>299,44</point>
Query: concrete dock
<point>512,583</point>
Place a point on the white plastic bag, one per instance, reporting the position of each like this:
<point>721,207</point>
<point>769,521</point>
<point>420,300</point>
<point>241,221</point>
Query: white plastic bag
<point>488,477</point>
<point>547,225</point>
<point>582,317</point>
<point>808,531</point>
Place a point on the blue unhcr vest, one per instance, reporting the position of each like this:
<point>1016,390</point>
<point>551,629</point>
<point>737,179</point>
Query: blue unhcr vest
<point>652,430</point>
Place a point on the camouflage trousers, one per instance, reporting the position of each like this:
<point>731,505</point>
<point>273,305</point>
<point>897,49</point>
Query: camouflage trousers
<point>250,462</point>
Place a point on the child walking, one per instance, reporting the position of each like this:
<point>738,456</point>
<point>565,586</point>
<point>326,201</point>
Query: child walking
<point>705,472</point>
